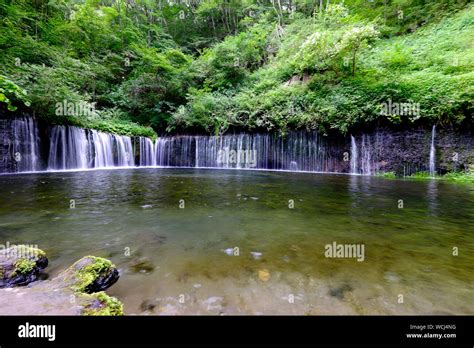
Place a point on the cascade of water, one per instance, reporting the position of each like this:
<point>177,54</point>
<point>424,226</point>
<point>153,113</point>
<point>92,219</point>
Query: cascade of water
<point>432,163</point>
<point>102,143</point>
<point>25,144</point>
<point>19,145</point>
<point>147,152</point>
<point>69,148</point>
<point>124,151</point>
<point>366,156</point>
<point>263,151</point>
<point>354,156</point>
<point>76,148</point>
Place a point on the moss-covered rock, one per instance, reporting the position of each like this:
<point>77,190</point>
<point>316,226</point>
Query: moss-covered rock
<point>21,265</point>
<point>78,290</point>
<point>89,274</point>
<point>103,304</point>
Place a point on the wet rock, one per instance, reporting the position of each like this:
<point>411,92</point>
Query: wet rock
<point>264,275</point>
<point>148,305</point>
<point>340,291</point>
<point>214,303</point>
<point>229,251</point>
<point>142,265</point>
<point>21,265</point>
<point>295,248</point>
<point>391,277</point>
<point>256,255</point>
<point>75,291</point>
<point>89,274</point>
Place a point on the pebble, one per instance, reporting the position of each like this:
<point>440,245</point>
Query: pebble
<point>263,275</point>
<point>229,251</point>
<point>256,255</point>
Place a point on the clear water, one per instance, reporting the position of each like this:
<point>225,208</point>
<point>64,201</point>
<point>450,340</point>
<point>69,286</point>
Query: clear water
<point>408,251</point>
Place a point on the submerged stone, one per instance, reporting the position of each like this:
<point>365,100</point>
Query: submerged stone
<point>256,255</point>
<point>148,305</point>
<point>142,265</point>
<point>264,275</point>
<point>340,291</point>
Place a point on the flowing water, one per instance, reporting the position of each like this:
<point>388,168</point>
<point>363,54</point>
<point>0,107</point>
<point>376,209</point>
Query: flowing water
<point>69,148</point>
<point>432,164</point>
<point>252,242</point>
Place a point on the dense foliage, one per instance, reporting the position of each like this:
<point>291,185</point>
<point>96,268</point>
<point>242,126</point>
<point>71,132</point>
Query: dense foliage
<point>142,66</point>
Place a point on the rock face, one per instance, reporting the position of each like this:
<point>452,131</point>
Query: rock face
<point>78,290</point>
<point>407,152</point>
<point>20,265</point>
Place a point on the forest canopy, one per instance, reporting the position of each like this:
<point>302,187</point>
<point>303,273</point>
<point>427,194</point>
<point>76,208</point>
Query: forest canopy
<point>210,66</point>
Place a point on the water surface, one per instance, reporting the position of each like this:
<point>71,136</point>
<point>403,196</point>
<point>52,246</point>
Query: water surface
<point>180,260</point>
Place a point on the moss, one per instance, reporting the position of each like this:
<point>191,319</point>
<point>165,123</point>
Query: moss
<point>23,267</point>
<point>103,305</point>
<point>388,175</point>
<point>85,276</point>
<point>462,177</point>
<point>457,177</point>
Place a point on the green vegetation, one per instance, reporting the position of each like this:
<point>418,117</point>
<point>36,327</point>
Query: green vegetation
<point>458,177</point>
<point>212,65</point>
<point>388,175</point>
<point>24,266</point>
<point>15,94</point>
<point>106,305</point>
<point>462,177</point>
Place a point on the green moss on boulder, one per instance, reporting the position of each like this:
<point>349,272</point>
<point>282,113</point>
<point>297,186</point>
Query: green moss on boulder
<point>103,304</point>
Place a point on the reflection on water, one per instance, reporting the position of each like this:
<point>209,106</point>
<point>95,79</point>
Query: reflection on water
<point>253,242</point>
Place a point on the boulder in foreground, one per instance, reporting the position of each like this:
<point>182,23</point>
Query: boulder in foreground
<point>78,290</point>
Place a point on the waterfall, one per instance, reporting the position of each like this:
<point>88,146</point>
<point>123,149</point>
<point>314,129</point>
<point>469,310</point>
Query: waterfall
<point>147,152</point>
<point>433,153</point>
<point>68,148</point>
<point>354,156</point>
<point>77,148</point>
<point>20,144</point>
<point>366,155</point>
<point>303,151</point>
